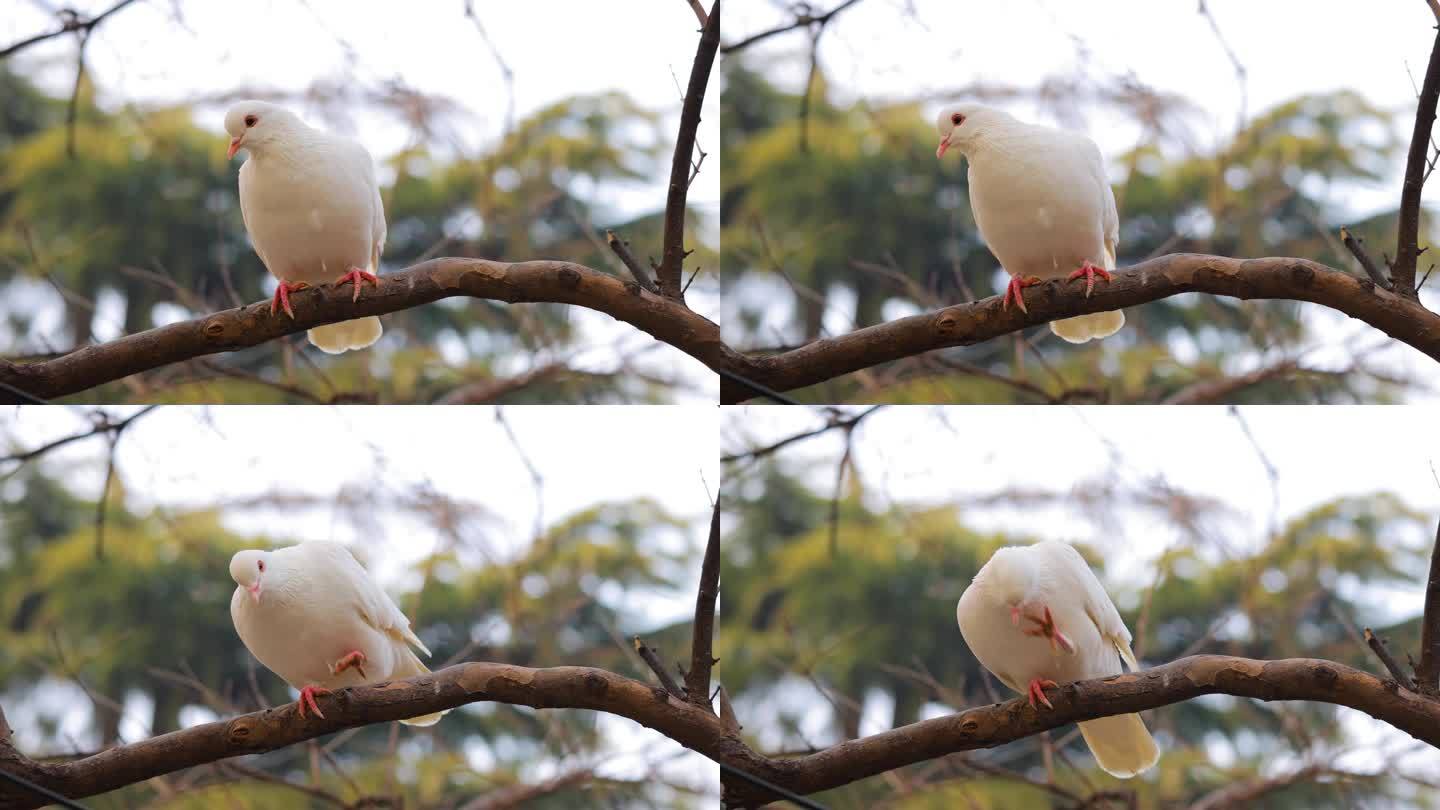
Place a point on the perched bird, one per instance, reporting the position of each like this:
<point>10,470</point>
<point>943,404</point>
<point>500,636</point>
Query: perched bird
<point>312,615</point>
<point>1042,204</point>
<point>1036,615</point>
<point>312,207</point>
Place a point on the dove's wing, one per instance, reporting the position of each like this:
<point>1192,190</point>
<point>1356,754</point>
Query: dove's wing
<point>1069,571</point>
<point>375,606</point>
<point>247,202</point>
<point>1110,216</point>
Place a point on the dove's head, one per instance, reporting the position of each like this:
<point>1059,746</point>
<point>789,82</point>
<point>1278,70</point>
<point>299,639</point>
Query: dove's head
<point>966,126</point>
<point>253,570</point>
<point>258,125</point>
<point>1010,579</point>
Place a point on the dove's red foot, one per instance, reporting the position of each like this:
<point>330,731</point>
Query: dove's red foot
<point>1046,628</point>
<point>354,658</point>
<point>307,698</point>
<point>1037,692</point>
<point>1016,290</point>
<point>282,297</point>
<point>1089,271</point>
<point>357,276</point>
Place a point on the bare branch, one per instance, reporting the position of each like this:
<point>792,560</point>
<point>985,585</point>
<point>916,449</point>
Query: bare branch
<point>966,324</point>
<point>552,688</point>
<point>697,679</point>
<point>1427,675</point>
<point>622,249</point>
<point>252,325</point>
<point>992,725</point>
<point>801,21</point>
<point>673,258</point>
<point>700,14</point>
<point>652,660</point>
<point>70,23</point>
<point>1356,246</point>
<point>1383,653</point>
<point>1407,247</point>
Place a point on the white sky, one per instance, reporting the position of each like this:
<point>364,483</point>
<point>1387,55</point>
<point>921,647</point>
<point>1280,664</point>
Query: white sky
<point>922,456</point>
<point>878,51</point>
<point>183,457</point>
<point>555,48</point>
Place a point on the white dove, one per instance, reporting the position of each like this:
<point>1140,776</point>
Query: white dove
<point>312,207</point>
<point>1076,634</point>
<point>1042,204</point>
<point>312,615</point>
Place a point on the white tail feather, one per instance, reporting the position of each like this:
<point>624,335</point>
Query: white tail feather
<point>1082,328</point>
<point>336,338</point>
<point>411,667</point>
<point>1121,744</point>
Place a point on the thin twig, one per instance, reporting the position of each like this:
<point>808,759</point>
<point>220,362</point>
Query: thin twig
<point>1356,246</point>
<point>622,249</point>
<point>673,256</point>
<point>697,680</point>
<point>652,660</point>
<point>1383,653</point>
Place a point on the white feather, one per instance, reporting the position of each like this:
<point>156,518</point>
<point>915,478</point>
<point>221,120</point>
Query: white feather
<point>1053,574</point>
<point>316,605</point>
<point>312,207</point>
<point>1041,202</point>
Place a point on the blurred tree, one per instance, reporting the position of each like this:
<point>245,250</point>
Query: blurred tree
<point>847,211</point>
<point>821,636</point>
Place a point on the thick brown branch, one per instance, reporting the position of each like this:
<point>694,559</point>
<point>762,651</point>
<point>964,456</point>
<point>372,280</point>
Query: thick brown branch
<point>252,325</point>
<point>556,687</point>
<point>996,724</point>
<point>673,258</point>
<point>697,680</point>
<point>1407,248</point>
<point>966,324</point>
<point>1427,674</point>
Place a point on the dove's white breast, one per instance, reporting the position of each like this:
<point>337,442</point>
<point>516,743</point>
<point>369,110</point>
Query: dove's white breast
<point>312,213</point>
<point>1039,198</point>
<point>299,630</point>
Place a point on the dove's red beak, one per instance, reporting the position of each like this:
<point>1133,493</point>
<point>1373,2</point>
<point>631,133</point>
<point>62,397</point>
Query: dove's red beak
<point>230,153</point>
<point>1014,609</point>
<point>944,144</point>
<point>253,589</point>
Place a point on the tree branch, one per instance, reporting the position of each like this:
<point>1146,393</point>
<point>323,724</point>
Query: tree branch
<point>556,687</point>
<point>673,258</point>
<point>1407,247</point>
<point>622,250</point>
<point>697,680</point>
<point>996,724</point>
<point>1382,652</point>
<point>1357,249</point>
<point>520,282</point>
<point>71,22</point>
<point>801,21</point>
<point>1427,674</point>
<point>966,324</point>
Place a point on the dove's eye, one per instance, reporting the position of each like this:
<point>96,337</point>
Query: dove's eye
<point>261,563</point>
<point>250,121</point>
<point>957,119</point>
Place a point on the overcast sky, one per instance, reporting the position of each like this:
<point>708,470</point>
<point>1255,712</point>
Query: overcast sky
<point>586,455</point>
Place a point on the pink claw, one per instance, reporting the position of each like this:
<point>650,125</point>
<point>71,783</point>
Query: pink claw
<point>354,658</point>
<point>1089,272</point>
<point>1016,290</point>
<point>282,297</point>
<point>307,698</point>
<point>357,276</point>
<point>1046,627</point>
<point>1037,692</point>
